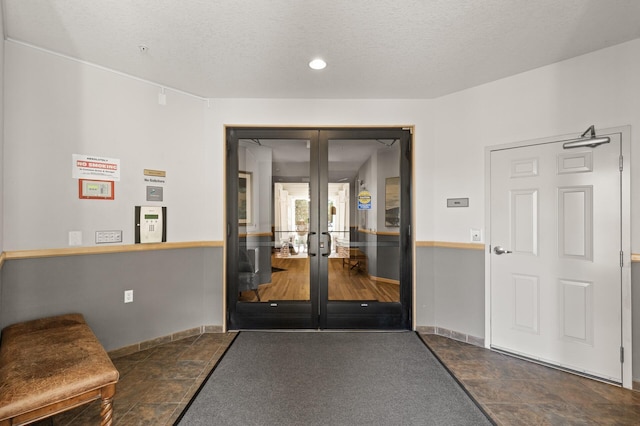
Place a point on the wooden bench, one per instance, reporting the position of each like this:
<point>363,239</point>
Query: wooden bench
<point>51,365</point>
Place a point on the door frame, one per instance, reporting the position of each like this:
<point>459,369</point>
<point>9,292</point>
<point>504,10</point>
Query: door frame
<point>406,319</point>
<point>625,181</point>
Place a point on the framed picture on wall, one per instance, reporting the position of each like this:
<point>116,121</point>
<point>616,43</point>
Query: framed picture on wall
<point>392,202</point>
<point>245,195</point>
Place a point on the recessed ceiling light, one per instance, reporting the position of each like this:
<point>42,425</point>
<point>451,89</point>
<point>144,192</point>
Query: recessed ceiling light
<point>317,64</point>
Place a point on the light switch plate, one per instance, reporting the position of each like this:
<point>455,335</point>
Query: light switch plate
<point>103,237</point>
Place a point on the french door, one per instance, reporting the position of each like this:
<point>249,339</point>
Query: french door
<point>318,228</point>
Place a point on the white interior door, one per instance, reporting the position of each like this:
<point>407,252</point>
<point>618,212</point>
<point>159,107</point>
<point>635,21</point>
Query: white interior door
<point>556,289</point>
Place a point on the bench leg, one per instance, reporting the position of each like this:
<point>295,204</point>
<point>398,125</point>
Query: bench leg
<point>106,405</point>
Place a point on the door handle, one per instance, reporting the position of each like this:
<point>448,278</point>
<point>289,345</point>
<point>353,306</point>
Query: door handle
<point>309,245</point>
<point>500,250</point>
<point>326,244</point>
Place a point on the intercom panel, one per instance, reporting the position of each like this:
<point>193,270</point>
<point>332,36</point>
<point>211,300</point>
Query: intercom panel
<point>151,224</point>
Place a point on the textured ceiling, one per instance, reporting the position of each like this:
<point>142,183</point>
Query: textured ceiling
<point>374,48</point>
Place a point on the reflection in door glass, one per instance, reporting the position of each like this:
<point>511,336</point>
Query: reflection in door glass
<point>273,207</point>
<point>364,219</point>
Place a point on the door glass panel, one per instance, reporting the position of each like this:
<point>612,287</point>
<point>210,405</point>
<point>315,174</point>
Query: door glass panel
<point>274,206</point>
<point>363,206</point>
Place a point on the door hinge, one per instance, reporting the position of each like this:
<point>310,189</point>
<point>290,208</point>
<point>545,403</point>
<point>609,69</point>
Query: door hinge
<point>621,258</point>
<point>621,355</point>
<point>621,164</point>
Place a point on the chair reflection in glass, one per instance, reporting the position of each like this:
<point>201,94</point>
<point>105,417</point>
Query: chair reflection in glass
<point>247,271</point>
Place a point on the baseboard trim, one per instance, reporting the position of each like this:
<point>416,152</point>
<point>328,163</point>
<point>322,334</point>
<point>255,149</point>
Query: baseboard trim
<point>384,280</point>
<point>147,344</point>
<point>635,385</point>
<point>452,334</point>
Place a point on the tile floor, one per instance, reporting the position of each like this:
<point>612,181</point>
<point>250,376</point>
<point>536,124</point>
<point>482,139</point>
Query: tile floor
<point>517,392</point>
<point>156,384</point>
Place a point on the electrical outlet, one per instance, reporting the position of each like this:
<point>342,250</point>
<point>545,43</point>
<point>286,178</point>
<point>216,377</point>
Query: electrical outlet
<point>476,235</point>
<point>128,296</point>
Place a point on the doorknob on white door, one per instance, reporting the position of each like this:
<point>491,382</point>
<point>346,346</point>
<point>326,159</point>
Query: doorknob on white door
<point>500,250</point>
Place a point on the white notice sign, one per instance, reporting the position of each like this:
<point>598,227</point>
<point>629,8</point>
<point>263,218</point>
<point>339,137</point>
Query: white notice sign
<point>94,167</point>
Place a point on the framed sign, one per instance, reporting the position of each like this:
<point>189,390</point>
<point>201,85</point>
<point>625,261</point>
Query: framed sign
<point>95,189</point>
<point>245,195</point>
<point>364,200</point>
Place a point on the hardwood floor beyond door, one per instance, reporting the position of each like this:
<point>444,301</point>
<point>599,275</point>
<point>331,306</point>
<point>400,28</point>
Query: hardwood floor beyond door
<point>290,281</point>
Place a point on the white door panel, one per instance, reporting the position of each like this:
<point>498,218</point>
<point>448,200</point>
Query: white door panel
<point>556,296</point>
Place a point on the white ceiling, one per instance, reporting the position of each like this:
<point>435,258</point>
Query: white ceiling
<point>374,48</point>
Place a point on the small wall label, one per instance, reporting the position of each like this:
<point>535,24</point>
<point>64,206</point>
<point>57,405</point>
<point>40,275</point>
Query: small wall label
<point>457,202</point>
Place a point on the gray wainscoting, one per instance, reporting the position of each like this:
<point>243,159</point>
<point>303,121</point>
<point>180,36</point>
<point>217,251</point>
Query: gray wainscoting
<point>388,266</point>
<point>450,294</point>
<point>450,289</point>
<point>174,290</point>
<point>459,291</point>
<point>383,254</point>
<point>181,289</point>
<point>264,246</point>
<point>635,327</point>
<point>425,287</point>
<point>1,303</point>
<point>367,243</point>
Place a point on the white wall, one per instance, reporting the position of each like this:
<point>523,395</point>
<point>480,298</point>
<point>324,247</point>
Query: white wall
<point>57,107</point>
<point>321,112</point>
<point>366,181</point>
<point>388,167</point>
<point>257,160</point>
<point>2,167</point>
<point>601,88</point>
<point>60,107</point>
